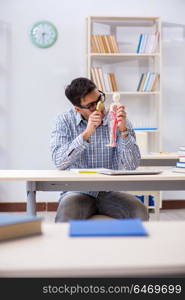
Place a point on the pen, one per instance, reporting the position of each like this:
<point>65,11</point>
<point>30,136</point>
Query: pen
<point>87,171</point>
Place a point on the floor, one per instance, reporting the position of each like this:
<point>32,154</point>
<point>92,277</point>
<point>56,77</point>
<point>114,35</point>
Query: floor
<point>165,214</point>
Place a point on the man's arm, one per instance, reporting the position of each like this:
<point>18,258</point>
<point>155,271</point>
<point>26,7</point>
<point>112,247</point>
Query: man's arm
<point>64,151</point>
<point>128,150</point>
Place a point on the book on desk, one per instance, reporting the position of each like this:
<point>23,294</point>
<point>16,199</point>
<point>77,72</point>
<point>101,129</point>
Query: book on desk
<point>180,164</point>
<point>118,227</point>
<point>15,226</point>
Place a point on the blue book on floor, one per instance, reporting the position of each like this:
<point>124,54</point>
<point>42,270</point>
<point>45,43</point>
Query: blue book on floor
<point>119,227</point>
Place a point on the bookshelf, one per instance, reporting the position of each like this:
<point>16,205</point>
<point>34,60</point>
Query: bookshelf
<point>127,66</point>
<point>128,61</point>
<point>4,94</point>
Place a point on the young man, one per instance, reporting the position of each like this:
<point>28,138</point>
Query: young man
<point>79,140</point>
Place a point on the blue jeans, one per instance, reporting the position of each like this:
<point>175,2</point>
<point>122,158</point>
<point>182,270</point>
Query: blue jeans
<point>117,205</point>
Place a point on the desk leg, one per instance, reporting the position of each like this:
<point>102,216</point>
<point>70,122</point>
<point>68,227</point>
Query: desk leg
<point>31,198</point>
<point>157,206</point>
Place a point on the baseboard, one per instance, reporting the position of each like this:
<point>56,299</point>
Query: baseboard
<point>52,206</point>
<point>173,204</point>
<point>21,206</point>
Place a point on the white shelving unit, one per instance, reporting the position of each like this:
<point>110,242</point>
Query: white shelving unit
<point>4,93</point>
<point>143,108</point>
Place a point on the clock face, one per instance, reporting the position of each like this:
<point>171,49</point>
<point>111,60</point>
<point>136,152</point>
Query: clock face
<point>43,34</point>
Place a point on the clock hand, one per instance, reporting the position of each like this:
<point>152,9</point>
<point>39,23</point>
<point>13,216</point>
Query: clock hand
<point>43,37</point>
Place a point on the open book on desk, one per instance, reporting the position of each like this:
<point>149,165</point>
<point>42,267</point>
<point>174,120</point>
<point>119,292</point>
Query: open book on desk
<point>131,172</point>
<point>143,171</point>
<point>88,170</point>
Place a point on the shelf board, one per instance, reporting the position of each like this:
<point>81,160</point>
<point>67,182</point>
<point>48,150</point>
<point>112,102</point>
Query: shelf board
<point>123,18</point>
<point>124,54</point>
<point>147,130</point>
<point>125,21</point>
<point>134,93</point>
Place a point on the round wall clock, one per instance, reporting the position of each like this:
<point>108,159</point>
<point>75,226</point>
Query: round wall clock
<point>43,34</point>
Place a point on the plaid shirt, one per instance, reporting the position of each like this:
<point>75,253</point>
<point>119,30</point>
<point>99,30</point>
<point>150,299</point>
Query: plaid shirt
<point>70,150</point>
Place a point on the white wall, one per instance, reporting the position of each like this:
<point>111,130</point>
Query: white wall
<point>37,77</point>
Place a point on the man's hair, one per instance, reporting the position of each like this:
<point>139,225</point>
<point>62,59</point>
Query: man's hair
<point>79,88</point>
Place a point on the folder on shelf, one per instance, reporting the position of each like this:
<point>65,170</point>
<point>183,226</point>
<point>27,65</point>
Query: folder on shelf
<point>119,227</point>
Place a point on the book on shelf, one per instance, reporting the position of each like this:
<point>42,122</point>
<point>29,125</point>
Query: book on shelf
<point>113,82</point>
<point>139,84</point>
<point>148,43</point>
<point>139,43</point>
<point>100,72</point>
<point>104,81</point>
<point>98,79</point>
<point>182,159</point>
<point>100,41</point>
<point>142,82</point>
<point>15,226</point>
<point>106,38</point>
<point>181,153</point>
<point>143,43</point>
<point>179,170</point>
<point>114,43</point>
<point>148,82</point>
<point>95,76</point>
<point>94,45</point>
<point>104,44</point>
<point>155,82</point>
<point>145,86</point>
<point>145,128</point>
<point>180,164</point>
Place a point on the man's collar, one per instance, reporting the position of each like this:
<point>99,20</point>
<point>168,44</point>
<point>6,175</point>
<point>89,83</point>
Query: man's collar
<point>105,119</point>
<point>79,118</point>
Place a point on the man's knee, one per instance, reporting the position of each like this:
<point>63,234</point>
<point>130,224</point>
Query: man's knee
<point>75,206</point>
<point>123,205</point>
<point>137,208</point>
<point>141,211</point>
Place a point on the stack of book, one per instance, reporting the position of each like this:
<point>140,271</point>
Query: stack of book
<point>180,165</point>
<point>104,44</point>
<point>105,82</point>
<point>148,82</point>
<point>148,43</point>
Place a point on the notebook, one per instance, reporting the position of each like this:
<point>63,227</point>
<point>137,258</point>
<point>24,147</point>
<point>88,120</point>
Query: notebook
<point>119,227</point>
<point>130,172</point>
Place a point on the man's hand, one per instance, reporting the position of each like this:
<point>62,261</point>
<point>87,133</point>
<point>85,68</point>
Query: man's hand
<point>94,121</point>
<point>121,118</point>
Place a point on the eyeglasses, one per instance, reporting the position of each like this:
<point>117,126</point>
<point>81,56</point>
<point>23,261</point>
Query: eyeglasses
<point>92,105</point>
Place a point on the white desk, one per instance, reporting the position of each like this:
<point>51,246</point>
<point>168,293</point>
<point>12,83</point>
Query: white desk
<point>55,180</point>
<point>54,254</point>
